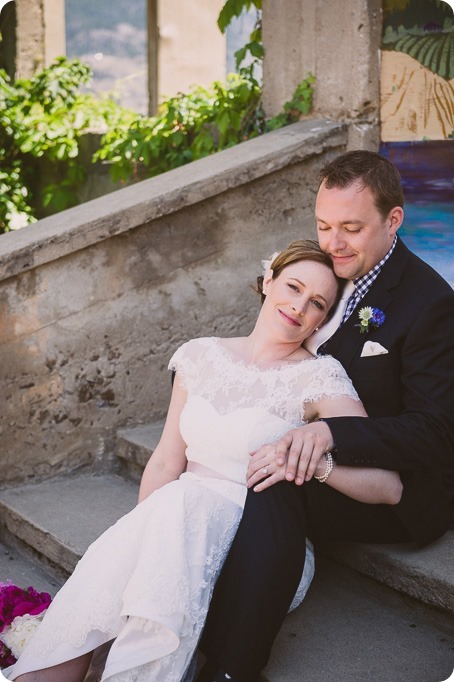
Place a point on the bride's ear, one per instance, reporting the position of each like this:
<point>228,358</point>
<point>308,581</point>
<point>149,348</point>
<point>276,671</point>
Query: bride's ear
<point>267,279</point>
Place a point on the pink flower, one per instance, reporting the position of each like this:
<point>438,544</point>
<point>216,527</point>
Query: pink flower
<point>15,601</point>
<point>6,657</point>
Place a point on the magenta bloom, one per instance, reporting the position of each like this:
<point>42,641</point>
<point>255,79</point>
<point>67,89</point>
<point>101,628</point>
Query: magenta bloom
<point>14,601</point>
<point>6,657</point>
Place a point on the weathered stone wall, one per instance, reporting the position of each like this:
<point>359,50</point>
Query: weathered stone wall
<point>339,42</point>
<point>94,300</point>
<point>40,34</point>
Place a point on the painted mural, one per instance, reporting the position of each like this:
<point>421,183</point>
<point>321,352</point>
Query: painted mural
<point>417,78</point>
<point>417,117</point>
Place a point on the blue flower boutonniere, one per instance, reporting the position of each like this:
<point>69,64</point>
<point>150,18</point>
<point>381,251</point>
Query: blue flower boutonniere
<point>370,318</point>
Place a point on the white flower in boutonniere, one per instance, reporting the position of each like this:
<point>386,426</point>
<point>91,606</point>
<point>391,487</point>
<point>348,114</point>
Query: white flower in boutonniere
<point>370,318</point>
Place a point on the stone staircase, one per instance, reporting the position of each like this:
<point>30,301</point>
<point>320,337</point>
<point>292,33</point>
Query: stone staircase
<point>374,612</point>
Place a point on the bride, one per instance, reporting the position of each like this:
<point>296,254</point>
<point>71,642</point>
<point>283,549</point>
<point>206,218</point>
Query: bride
<point>146,583</point>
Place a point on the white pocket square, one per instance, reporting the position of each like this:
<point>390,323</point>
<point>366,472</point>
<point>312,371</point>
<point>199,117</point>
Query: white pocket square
<point>372,348</point>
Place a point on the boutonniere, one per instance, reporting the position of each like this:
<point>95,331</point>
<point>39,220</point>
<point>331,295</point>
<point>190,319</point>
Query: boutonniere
<point>370,318</point>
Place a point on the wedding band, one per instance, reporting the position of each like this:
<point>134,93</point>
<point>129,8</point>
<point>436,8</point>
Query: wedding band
<point>264,470</point>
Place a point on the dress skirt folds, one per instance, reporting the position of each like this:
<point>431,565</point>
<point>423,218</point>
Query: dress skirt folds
<point>147,582</point>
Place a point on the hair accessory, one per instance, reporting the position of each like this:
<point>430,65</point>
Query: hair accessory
<point>266,264</point>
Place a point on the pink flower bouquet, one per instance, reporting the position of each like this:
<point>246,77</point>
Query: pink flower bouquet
<point>20,613</point>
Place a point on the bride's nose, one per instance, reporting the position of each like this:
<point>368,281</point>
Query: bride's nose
<point>299,306</point>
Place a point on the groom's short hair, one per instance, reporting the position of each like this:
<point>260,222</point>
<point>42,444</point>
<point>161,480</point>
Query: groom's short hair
<point>372,170</point>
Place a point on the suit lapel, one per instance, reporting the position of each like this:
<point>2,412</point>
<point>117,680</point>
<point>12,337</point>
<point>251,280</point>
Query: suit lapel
<point>347,340</point>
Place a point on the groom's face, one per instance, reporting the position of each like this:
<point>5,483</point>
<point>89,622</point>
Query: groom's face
<point>352,231</point>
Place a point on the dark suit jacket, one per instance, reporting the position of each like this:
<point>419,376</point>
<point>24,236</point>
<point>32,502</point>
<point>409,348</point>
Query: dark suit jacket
<point>408,392</point>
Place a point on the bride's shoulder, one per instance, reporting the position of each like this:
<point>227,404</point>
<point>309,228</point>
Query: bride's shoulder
<point>195,346</point>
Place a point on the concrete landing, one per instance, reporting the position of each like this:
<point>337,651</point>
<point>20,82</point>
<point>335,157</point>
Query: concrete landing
<point>352,629</point>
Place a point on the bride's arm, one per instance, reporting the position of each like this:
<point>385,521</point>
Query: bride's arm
<point>307,446</point>
<point>365,484</point>
<point>168,460</point>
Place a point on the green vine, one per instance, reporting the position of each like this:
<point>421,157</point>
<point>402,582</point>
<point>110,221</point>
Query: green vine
<point>252,53</point>
<point>41,122</point>
<point>43,119</point>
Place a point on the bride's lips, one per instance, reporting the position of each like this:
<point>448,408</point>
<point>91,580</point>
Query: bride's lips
<point>290,320</point>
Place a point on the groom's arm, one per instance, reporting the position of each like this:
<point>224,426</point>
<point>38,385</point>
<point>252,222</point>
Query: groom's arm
<point>421,435</point>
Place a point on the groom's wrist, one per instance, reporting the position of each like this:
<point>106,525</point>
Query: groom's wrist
<point>333,450</point>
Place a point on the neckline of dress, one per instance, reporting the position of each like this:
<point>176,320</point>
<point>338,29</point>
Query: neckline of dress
<point>235,359</point>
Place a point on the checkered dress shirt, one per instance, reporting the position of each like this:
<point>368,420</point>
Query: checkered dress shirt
<point>364,283</point>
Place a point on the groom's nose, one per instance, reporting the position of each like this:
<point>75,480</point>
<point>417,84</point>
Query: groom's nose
<point>337,241</point>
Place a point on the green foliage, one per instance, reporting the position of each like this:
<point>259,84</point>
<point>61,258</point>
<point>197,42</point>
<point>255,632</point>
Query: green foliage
<point>300,104</point>
<point>187,127</point>
<point>248,59</point>
<point>43,119</point>
<point>234,8</point>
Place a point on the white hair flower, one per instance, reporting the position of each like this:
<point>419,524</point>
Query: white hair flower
<point>266,264</point>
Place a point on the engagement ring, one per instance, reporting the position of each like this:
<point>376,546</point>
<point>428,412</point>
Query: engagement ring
<point>264,470</point>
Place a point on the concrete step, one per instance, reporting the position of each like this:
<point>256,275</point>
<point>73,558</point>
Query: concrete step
<point>135,445</point>
<point>426,574</point>
<point>58,519</point>
<point>23,571</point>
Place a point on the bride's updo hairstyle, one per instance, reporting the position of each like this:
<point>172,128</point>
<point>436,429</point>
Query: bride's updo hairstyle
<point>301,249</point>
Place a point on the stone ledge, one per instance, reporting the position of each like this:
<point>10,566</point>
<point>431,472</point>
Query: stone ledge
<point>426,573</point>
<point>125,209</point>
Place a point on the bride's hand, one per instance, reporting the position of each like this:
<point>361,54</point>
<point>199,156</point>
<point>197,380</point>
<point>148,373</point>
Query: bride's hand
<point>263,469</point>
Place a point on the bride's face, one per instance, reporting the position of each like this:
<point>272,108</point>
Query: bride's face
<point>299,299</point>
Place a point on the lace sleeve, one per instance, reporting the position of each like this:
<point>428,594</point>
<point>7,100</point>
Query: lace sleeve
<point>187,362</point>
<point>329,380</point>
<point>181,362</point>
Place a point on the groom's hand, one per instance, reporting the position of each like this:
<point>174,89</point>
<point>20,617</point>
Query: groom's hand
<point>302,449</point>
<point>294,457</point>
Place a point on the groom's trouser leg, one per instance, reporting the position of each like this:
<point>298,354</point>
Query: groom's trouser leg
<point>266,558</point>
<point>264,566</point>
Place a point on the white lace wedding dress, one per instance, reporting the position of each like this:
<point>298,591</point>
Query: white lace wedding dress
<point>147,581</point>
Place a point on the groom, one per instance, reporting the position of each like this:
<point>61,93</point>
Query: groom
<point>401,364</point>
